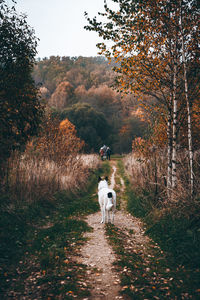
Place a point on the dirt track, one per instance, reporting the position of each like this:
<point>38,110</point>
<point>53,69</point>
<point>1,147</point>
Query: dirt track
<point>98,255</point>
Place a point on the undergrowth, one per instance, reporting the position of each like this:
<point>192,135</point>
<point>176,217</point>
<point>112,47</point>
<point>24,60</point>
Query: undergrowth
<point>178,237</point>
<point>38,242</point>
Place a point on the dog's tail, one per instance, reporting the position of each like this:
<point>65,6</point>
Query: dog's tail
<point>110,201</point>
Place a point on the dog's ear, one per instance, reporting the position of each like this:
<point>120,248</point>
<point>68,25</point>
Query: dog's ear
<point>106,178</point>
<point>99,179</point>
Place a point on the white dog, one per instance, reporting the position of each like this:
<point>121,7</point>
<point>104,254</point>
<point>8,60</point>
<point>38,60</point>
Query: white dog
<point>107,200</point>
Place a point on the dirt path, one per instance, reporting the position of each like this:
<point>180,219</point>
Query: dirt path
<point>98,255</point>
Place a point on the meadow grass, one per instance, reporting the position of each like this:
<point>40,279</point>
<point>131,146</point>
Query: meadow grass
<point>39,241</point>
<point>175,226</point>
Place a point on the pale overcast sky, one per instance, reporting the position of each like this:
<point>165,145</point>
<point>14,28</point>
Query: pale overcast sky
<point>59,25</point>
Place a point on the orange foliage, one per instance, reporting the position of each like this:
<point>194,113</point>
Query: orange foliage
<point>66,126</point>
<point>141,147</point>
<point>158,139</point>
<point>57,140</point>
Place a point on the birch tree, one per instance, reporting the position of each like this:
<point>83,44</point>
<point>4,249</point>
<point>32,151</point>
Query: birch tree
<point>188,29</point>
<point>143,54</point>
<point>147,51</point>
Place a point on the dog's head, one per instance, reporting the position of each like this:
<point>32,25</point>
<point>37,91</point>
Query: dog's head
<point>101,179</point>
<point>103,183</point>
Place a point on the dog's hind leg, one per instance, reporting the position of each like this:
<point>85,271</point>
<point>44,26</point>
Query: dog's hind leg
<point>102,215</point>
<point>113,217</point>
<point>106,216</point>
<point>113,214</point>
<point>109,218</point>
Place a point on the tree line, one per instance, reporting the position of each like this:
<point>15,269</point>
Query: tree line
<point>81,89</point>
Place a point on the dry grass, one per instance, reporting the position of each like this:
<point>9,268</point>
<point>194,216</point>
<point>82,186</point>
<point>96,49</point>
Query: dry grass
<point>51,162</point>
<point>146,174</point>
<point>31,178</point>
<point>150,176</point>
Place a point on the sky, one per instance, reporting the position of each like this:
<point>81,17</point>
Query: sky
<point>59,25</point>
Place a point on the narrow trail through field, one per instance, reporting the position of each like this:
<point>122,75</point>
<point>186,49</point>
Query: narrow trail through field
<point>98,255</point>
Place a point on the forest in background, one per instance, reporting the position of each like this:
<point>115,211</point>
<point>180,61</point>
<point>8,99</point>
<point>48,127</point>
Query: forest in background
<point>81,90</point>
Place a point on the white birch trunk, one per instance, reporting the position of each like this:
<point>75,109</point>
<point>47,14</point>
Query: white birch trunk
<point>189,121</point>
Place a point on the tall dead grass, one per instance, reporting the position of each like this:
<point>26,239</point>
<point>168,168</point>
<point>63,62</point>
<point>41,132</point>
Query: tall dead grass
<point>51,162</point>
<point>31,178</point>
<point>149,175</point>
<point>146,174</point>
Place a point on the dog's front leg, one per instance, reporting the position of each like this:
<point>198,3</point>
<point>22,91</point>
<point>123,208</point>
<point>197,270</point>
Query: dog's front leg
<point>113,214</point>
<point>106,216</point>
<point>108,212</point>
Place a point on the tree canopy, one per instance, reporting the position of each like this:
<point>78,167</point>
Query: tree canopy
<point>143,35</point>
<point>65,81</point>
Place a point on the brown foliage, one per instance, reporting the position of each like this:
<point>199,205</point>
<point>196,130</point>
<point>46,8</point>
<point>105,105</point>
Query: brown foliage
<point>81,92</point>
<point>104,94</point>
<point>196,124</point>
<point>62,95</point>
<point>101,96</point>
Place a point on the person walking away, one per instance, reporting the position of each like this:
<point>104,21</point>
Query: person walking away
<point>108,153</point>
<point>101,152</point>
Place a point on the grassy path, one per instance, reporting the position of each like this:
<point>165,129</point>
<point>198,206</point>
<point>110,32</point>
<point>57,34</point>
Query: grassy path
<point>140,265</point>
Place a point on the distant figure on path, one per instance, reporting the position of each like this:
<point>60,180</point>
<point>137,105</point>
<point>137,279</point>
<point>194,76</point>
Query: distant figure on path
<point>108,153</point>
<point>103,152</point>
